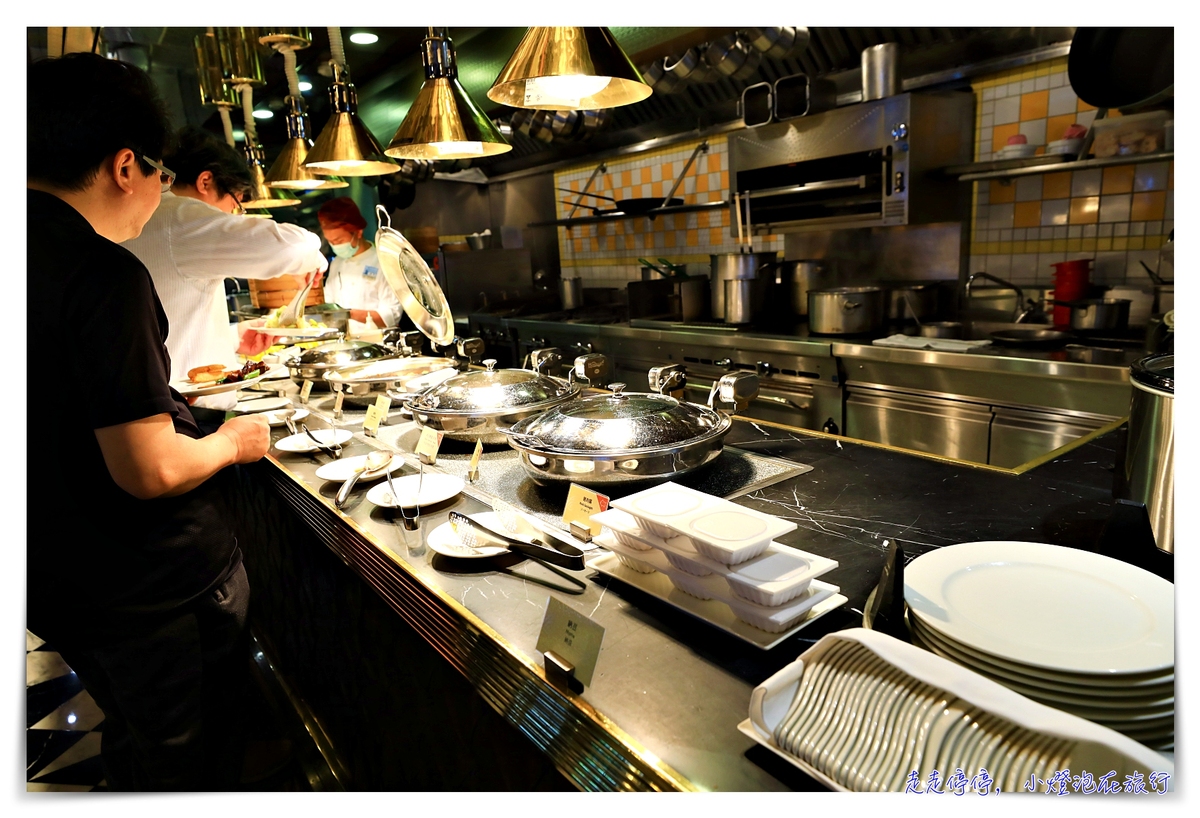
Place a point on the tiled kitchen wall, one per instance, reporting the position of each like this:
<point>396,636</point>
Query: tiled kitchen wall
<point>1119,215</point>
<point>606,255</point>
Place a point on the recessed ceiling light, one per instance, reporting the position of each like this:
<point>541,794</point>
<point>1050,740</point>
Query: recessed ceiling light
<point>364,38</point>
<point>263,114</point>
<point>239,135</point>
<point>305,86</point>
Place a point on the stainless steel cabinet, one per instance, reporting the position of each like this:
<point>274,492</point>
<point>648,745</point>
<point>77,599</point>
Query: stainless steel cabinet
<point>951,428</point>
<point>1020,435</point>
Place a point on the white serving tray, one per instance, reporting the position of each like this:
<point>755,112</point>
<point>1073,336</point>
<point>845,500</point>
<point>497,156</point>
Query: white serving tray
<point>1098,749</point>
<point>711,611</point>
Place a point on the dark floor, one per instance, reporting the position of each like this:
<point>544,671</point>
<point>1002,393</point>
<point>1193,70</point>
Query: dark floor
<point>63,728</point>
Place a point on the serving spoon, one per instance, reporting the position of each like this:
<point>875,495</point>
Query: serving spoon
<point>375,461</point>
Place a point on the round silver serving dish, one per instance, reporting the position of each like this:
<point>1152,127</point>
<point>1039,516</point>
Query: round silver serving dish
<point>477,405</point>
<point>618,438</point>
<point>362,383</point>
<point>314,363</point>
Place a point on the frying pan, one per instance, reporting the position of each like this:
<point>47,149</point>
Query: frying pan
<point>632,207</point>
<point>1122,67</point>
<point>1031,338</point>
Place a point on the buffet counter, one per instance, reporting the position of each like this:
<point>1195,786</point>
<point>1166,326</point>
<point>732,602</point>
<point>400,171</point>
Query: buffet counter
<point>418,671</point>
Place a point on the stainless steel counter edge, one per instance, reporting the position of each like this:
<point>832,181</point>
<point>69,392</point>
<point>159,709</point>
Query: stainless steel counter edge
<point>707,336</point>
<point>588,748</point>
<point>985,363</point>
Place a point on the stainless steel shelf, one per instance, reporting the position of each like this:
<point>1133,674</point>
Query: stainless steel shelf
<point>615,217</point>
<point>1030,166</point>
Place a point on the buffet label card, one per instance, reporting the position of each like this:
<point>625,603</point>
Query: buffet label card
<point>428,445</point>
<point>305,391</point>
<point>337,403</point>
<point>473,466</point>
<point>581,505</point>
<point>572,636</point>
<point>376,414</point>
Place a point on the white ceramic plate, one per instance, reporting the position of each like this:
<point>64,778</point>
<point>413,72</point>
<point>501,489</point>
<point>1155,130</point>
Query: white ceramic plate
<point>443,540</point>
<point>196,390</point>
<point>1047,606</point>
<point>339,471</point>
<point>249,405</point>
<point>303,444</point>
<point>276,418</point>
<point>436,488</point>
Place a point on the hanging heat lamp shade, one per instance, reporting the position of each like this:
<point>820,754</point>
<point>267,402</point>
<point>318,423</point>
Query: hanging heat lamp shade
<point>345,146</point>
<point>260,195</point>
<point>443,122</point>
<point>559,68</point>
<point>288,171</point>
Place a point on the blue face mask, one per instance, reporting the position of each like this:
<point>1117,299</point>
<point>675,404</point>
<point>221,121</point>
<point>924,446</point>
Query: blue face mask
<point>346,250</point>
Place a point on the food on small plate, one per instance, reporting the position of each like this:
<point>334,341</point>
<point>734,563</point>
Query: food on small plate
<point>272,321</point>
<point>217,373</point>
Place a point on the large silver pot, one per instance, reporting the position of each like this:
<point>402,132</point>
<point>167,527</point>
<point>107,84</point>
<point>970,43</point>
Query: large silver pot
<point>1098,314</point>
<point>845,310</point>
<point>1148,472</point>
<point>363,383</point>
<point>314,363</point>
<point>734,267</point>
<point>627,438</point>
<point>477,405</point>
<point>911,299</point>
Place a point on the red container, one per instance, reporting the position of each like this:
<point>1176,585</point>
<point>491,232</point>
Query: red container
<point>1070,284</point>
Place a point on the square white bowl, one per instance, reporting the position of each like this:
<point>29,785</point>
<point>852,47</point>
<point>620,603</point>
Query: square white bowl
<point>778,576</point>
<point>781,619</point>
<point>656,509</point>
<point>731,534</point>
<point>688,566</point>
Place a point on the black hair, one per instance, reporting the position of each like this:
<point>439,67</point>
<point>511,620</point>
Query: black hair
<point>82,109</point>
<point>199,150</point>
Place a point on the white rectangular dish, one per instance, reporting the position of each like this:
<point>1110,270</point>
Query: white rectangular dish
<point>1029,738</point>
<point>715,613</point>
<point>779,574</point>
<point>657,509</point>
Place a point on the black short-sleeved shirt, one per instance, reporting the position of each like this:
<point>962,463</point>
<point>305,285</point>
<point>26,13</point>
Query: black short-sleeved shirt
<point>101,561</point>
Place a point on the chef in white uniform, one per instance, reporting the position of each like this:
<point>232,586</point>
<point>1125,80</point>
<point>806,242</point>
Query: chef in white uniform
<point>196,239</point>
<point>355,280</point>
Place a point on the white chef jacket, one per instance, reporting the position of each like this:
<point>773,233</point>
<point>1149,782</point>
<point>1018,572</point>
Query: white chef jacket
<point>190,248</point>
<point>357,283</point>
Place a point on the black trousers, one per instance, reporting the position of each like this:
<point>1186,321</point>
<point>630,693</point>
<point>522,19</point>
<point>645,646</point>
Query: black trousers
<point>173,699</point>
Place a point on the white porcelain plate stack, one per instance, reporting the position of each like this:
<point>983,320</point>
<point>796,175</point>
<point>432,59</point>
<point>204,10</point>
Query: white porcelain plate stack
<point>1076,631</point>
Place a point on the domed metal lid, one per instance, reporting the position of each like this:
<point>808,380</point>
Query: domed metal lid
<point>619,423</point>
<point>389,370</point>
<point>1156,371</point>
<point>340,353</point>
<point>413,282</point>
<point>493,390</point>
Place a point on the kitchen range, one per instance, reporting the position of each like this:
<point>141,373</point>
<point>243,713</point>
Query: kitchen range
<point>731,457</point>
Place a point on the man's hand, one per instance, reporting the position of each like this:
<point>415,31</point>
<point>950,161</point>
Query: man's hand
<point>251,434</point>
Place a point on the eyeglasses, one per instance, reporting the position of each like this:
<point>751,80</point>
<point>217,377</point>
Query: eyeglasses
<point>238,210</point>
<point>165,177</point>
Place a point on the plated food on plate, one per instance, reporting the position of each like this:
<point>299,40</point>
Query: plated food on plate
<point>218,373</point>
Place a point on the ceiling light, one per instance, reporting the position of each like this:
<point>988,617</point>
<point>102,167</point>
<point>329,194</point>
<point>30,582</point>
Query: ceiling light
<point>305,86</point>
<point>443,122</point>
<point>364,38</point>
<point>568,68</point>
<point>345,146</point>
<point>260,195</point>
<point>261,113</point>
<point>239,135</point>
<point>288,172</point>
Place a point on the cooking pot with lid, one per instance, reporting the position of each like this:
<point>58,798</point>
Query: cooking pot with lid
<point>312,364</point>
<point>362,383</point>
<point>845,310</point>
<point>628,438</point>
<point>1147,474</point>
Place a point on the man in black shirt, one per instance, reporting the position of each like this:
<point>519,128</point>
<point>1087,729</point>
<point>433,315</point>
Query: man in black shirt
<point>136,579</point>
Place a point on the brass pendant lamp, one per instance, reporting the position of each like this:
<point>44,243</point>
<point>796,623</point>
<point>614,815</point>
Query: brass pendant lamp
<point>345,147</point>
<point>288,172</point>
<point>443,122</point>
<point>260,195</point>
<point>559,68</point>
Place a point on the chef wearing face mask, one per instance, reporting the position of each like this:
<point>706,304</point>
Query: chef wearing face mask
<point>355,280</point>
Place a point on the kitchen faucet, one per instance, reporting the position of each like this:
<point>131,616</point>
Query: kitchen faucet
<point>1023,309</point>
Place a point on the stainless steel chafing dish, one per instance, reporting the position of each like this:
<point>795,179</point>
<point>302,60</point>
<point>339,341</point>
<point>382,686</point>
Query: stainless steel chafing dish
<point>362,383</point>
<point>312,364</point>
<point>630,437</point>
<point>477,405</point>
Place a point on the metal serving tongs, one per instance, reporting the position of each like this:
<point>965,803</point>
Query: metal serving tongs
<point>476,535</point>
<point>334,449</point>
<point>290,317</point>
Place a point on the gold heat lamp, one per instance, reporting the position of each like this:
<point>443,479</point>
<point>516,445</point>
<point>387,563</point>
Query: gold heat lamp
<point>260,195</point>
<point>443,122</point>
<point>288,172</point>
<point>558,68</point>
<point>345,146</point>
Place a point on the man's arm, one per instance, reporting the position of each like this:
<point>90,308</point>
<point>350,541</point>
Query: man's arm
<point>206,243</point>
<point>149,459</point>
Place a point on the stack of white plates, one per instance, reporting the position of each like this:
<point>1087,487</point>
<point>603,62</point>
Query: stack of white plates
<point>1076,631</point>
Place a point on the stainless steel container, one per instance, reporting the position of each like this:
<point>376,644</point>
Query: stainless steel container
<point>911,299</point>
<point>739,300</point>
<point>880,71</point>
<point>733,267</point>
<point>362,383</point>
<point>1097,314</point>
<point>845,310</point>
<point>570,290</point>
<point>314,363</point>
<point>1148,472</point>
